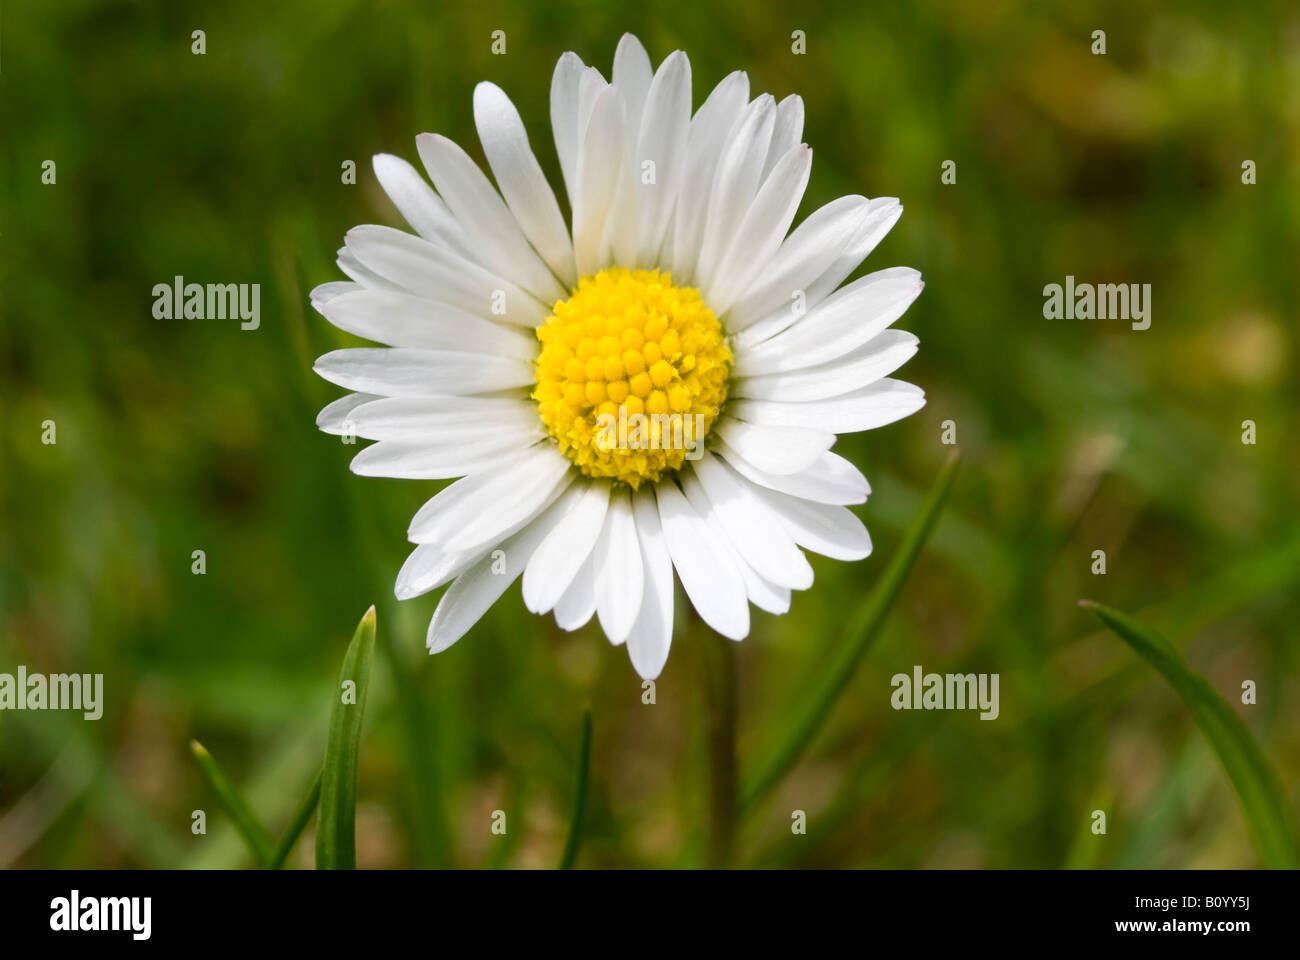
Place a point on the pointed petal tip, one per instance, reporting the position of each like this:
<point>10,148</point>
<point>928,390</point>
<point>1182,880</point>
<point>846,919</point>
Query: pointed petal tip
<point>486,88</point>
<point>618,636</point>
<point>433,641</point>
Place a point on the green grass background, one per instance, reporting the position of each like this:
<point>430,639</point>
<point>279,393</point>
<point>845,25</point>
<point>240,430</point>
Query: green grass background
<point>1078,435</point>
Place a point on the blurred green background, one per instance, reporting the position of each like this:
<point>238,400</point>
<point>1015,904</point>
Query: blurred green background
<point>175,436</point>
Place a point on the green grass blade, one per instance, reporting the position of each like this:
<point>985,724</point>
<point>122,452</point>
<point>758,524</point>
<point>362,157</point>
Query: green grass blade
<point>336,842</point>
<point>579,793</point>
<point>296,826</point>
<point>1268,815</point>
<point>250,828</point>
<point>858,637</point>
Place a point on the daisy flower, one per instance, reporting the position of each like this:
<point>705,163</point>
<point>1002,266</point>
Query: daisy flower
<point>652,388</point>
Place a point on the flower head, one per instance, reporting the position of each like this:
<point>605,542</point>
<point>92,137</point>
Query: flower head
<point>655,388</point>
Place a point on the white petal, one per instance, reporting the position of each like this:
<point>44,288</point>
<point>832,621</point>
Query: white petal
<point>325,292</point>
<point>772,449</point>
<point>560,556</point>
<point>364,276</point>
<point>619,240</point>
<point>665,127</point>
<point>764,594</point>
<point>705,565</point>
<point>405,371</point>
<point>417,203</point>
<point>488,223</point>
<point>758,590</point>
<point>402,320</point>
<point>429,567</point>
<point>750,526</point>
<point>665,257</point>
<point>830,479</point>
<point>787,133</point>
<point>632,73</point>
<point>590,86</point>
<point>878,357</point>
<point>761,592</point>
<point>620,579</point>
<point>834,532</point>
<point>843,321</point>
<point>631,77</point>
<point>336,417</point>
<point>396,418</point>
<point>564,117</point>
<point>419,267</point>
<point>710,128</point>
<point>600,160</point>
<point>804,256</point>
<point>760,234</point>
<point>882,214</point>
<point>734,185</point>
<point>519,176</point>
<point>652,633</point>
<point>873,406</point>
<point>452,453</point>
<point>486,506</point>
<point>578,605</point>
<point>480,586</point>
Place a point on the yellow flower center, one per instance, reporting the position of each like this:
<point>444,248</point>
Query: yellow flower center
<point>632,373</point>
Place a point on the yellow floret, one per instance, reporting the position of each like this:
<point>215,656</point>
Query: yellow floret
<point>614,350</point>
